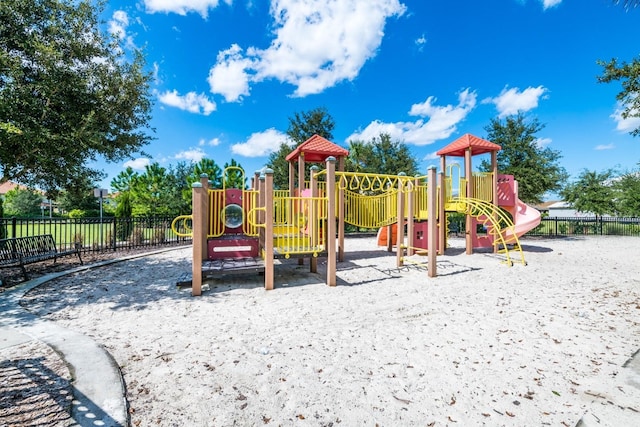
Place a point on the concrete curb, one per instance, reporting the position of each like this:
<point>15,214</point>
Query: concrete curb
<point>99,389</point>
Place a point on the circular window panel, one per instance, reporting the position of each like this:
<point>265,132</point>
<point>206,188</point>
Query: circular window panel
<point>233,216</point>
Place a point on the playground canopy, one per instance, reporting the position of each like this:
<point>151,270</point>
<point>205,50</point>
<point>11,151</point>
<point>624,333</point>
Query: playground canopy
<point>467,141</point>
<point>316,150</point>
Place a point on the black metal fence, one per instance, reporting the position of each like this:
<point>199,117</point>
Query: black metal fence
<point>592,226</point>
<point>96,234</point>
<point>112,234</point>
<point>571,226</point>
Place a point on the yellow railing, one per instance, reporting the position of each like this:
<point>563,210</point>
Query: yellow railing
<point>370,211</point>
<point>216,213</point>
<point>182,225</point>
<point>483,186</point>
<point>369,182</point>
<point>498,222</point>
<point>297,225</point>
<point>217,204</point>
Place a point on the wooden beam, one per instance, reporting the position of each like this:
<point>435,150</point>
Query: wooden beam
<point>331,221</point>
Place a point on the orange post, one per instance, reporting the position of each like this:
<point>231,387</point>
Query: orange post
<point>494,193</point>
<point>331,221</point>
<point>470,230</point>
<point>411,212</point>
<point>341,213</point>
<point>200,214</point>
<point>431,215</point>
<point>400,224</point>
<point>268,229</point>
<point>442,215</point>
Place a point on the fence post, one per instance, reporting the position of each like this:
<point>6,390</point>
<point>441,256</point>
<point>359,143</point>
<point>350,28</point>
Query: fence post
<point>601,225</point>
<point>113,233</point>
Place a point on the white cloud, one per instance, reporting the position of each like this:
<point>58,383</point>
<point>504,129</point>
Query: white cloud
<point>316,45</point>
<point>431,156</point>
<point>118,29</point>
<point>214,142</point>
<point>193,155</point>
<point>191,102</point>
<point>182,7</point>
<point>420,42</point>
<point>229,77</point>
<point>260,144</point>
<point>138,164</point>
<point>547,4</point>
<point>512,101</point>
<point>156,73</point>
<point>442,122</point>
<point>604,147</point>
<point>118,24</point>
<point>542,142</point>
<point>622,124</point>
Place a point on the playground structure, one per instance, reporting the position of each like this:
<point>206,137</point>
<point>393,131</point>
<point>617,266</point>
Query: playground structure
<point>245,230</point>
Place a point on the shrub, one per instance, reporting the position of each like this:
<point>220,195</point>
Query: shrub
<point>124,227</point>
<point>137,236</point>
<point>78,240</point>
<point>159,234</point>
<point>77,213</point>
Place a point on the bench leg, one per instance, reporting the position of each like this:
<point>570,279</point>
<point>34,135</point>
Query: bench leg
<point>24,272</point>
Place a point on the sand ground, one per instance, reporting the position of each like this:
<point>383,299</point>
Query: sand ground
<point>482,344</point>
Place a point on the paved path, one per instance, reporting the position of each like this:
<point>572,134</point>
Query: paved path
<point>98,387</point>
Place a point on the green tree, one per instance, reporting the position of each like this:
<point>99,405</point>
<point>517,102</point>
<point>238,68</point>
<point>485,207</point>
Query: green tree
<point>537,169</point>
<point>124,225</point>
<point>123,182</point>
<point>278,162</point>
<point>233,178</point>
<point>204,166</point>
<point>23,202</point>
<point>382,156</point>
<point>121,186</point>
<point>592,192</point>
<point>302,126</point>
<point>629,76</point>
<point>360,154</point>
<point>151,190</point>
<point>68,93</point>
<point>177,176</point>
<point>628,194</point>
<point>78,195</point>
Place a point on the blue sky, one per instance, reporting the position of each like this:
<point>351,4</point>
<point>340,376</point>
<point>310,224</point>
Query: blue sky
<point>229,74</point>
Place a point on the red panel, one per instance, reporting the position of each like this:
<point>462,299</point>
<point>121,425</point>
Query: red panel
<point>232,248</point>
<point>506,191</point>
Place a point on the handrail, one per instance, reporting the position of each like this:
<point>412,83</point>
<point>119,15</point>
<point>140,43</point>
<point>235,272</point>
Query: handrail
<point>495,216</point>
<point>251,214</point>
<point>183,219</point>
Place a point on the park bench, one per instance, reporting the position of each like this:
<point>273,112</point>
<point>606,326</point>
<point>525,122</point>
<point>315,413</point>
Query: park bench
<point>20,251</point>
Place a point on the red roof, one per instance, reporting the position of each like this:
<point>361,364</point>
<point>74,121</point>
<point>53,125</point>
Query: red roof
<point>460,145</point>
<point>7,186</point>
<point>316,150</point>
